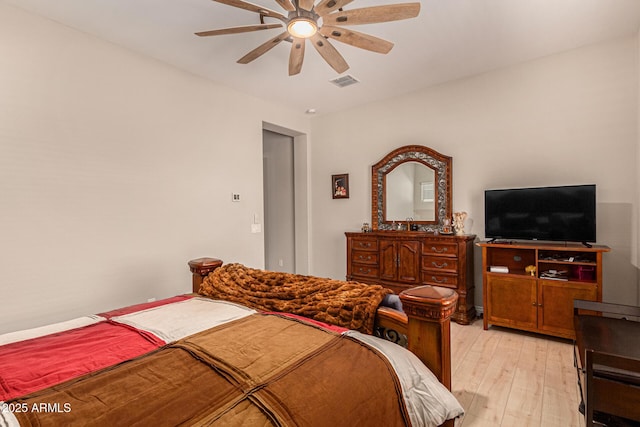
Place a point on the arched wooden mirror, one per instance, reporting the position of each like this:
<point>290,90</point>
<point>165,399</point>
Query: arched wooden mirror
<point>411,182</point>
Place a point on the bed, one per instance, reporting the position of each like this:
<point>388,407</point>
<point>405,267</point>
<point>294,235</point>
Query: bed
<point>216,357</point>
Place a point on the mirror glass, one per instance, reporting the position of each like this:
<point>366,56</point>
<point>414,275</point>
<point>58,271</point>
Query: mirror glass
<point>413,181</point>
<point>410,192</point>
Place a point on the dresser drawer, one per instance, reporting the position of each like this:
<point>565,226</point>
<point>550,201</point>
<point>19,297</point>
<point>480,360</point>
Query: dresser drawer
<point>363,270</point>
<point>364,257</point>
<point>439,263</point>
<point>364,245</point>
<point>439,279</point>
<point>437,248</point>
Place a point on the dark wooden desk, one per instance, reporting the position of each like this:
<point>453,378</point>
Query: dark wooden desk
<point>608,361</point>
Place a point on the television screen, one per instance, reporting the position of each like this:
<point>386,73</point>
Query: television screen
<point>566,213</point>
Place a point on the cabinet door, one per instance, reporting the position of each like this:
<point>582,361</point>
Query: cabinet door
<point>511,301</point>
<point>388,260</point>
<point>556,304</point>
<point>409,261</point>
<point>400,260</point>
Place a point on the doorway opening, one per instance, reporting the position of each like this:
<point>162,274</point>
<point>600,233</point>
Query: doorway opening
<point>279,200</point>
<point>285,200</point>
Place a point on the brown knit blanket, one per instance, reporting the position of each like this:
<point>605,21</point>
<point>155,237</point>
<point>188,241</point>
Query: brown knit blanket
<point>351,305</point>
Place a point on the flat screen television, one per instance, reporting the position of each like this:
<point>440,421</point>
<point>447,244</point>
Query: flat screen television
<point>563,213</point>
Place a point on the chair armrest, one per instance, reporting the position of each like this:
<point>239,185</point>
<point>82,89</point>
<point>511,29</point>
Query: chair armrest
<point>603,307</point>
<point>613,366</point>
<point>612,385</point>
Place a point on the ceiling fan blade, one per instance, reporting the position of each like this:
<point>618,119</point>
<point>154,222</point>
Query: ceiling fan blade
<point>374,14</point>
<point>328,6</point>
<point>329,53</point>
<point>286,5</point>
<point>252,7</point>
<point>236,30</point>
<point>357,39</point>
<point>263,48</point>
<point>297,56</point>
<point>305,4</point>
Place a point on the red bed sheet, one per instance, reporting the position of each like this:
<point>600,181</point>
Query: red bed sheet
<point>31,365</point>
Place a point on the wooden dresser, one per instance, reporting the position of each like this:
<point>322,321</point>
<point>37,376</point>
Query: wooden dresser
<point>400,260</point>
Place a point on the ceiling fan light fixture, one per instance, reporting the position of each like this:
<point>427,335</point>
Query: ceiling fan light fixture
<point>302,28</point>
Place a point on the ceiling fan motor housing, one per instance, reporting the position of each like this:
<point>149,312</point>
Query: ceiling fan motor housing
<point>302,23</point>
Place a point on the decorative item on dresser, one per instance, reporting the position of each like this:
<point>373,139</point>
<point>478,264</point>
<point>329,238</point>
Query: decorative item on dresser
<point>402,260</point>
<point>532,285</point>
<point>458,222</point>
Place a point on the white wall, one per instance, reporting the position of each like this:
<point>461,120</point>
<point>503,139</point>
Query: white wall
<point>115,170</point>
<point>569,118</point>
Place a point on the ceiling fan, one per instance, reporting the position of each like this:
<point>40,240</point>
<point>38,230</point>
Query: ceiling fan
<point>302,22</point>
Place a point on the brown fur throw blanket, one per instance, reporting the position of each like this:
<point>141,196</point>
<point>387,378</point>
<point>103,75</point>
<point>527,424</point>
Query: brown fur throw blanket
<point>351,305</point>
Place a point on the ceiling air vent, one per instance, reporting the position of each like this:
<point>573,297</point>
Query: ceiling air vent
<point>345,81</point>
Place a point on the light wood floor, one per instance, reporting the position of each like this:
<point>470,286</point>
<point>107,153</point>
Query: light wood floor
<point>508,378</point>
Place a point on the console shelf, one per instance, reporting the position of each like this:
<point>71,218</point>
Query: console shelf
<point>531,285</point>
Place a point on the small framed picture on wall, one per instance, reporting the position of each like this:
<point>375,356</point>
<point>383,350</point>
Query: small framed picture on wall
<point>340,186</point>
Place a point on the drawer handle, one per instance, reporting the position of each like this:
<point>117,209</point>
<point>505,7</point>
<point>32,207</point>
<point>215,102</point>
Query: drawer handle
<point>435,279</point>
<point>365,245</point>
<point>364,258</point>
<point>364,270</point>
<point>436,265</point>
<point>439,250</point>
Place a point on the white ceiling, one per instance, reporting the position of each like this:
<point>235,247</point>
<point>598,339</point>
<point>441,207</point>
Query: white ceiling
<point>450,39</point>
